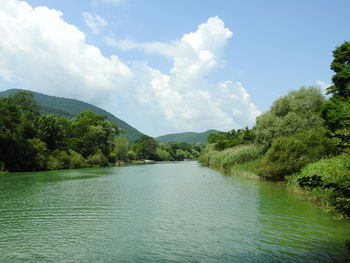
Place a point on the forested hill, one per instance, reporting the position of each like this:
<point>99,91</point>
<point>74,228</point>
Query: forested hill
<point>188,137</point>
<point>71,107</point>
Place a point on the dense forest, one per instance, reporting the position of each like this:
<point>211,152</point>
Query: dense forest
<point>70,108</point>
<point>304,139</point>
<point>33,141</point>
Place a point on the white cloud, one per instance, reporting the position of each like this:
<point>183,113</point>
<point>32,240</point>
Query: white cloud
<point>185,96</point>
<point>94,22</point>
<point>40,51</point>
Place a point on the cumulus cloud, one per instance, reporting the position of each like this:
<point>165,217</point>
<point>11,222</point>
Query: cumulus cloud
<point>40,51</point>
<point>185,96</point>
<point>94,22</point>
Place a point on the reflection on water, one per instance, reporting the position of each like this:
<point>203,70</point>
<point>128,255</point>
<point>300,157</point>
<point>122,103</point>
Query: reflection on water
<point>163,212</point>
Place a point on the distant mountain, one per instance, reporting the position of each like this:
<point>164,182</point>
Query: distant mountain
<point>71,108</point>
<point>189,137</point>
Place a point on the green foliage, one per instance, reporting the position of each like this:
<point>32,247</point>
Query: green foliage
<point>131,155</point>
<point>224,140</point>
<point>30,141</point>
<point>51,131</point>
<point>164,155</point>
<point>97,160</point>
<point>39,152</point>
<point>121,148</point>
<point>226,159</point>
<point>10,118</point>
<point>174,151</point>
<point>76,160</point>
<point>336,111</point>
<point>26,103</point>
<point>288,155</point>
<point>296,112</point>
<point>92,134</point>
<point>341,66</point>
<point>70,108</point>
<point>327,181</point>
<point>146,147</point>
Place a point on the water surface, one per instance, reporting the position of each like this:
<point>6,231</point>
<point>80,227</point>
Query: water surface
<point>172,212</point>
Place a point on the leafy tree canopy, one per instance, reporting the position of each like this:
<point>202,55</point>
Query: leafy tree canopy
<point>336,111</point>
<point>298,111</point>
<point>341,66</point>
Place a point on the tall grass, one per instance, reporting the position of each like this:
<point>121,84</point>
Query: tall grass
<point>327,181</point>
<point>228,158</point>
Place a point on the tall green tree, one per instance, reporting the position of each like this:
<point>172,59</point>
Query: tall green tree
<point>146,147</point>
<point>121,148</point>
<point>341,66</point>
<point>298,111</point>
<point>50,131</point>
<point>91,132</point>
<point>223,140</point>
<point>336,111</point>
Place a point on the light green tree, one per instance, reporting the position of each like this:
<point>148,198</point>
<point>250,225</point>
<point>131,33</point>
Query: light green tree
<point>297,111</point>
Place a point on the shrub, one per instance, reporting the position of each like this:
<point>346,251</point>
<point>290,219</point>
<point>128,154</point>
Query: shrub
<point>121,148</point>
<point>52,163</point>
<point>76,160</point>
<point>164,155</point>
<point>328,181</point>
<point>39,151</point>
<point>288,155</point>
<point>97,160</point>
<point>63,158</point>
<point>131,155</point>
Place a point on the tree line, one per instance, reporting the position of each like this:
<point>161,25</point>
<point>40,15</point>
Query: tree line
<point>303,138</point>
<point>31,141</point>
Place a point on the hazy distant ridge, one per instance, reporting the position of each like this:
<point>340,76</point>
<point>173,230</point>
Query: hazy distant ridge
<point>188,137</point>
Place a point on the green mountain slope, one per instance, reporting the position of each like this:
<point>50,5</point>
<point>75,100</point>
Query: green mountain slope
<point>188,137</point>
<point>71,107</point>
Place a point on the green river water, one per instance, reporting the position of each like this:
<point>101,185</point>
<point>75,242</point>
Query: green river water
<point>171,212</point>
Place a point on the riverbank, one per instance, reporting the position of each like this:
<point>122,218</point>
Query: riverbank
<point>325,181</point>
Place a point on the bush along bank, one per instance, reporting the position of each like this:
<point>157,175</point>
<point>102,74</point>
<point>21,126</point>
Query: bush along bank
<point>327,181</point>
<point>303,139</point>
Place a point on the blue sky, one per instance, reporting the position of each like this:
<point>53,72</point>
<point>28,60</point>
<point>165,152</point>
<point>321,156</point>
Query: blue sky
<point>171,66</point>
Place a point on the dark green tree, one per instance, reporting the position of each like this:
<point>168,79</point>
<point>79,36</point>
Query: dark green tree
<point>288,155</point>
<point>30,141</point>
<point>341,66</point>
<point>50,131</point>
<point>146,147</point>
<point>336,111</point>
<point>223,140</point>
<point>92,133</point>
